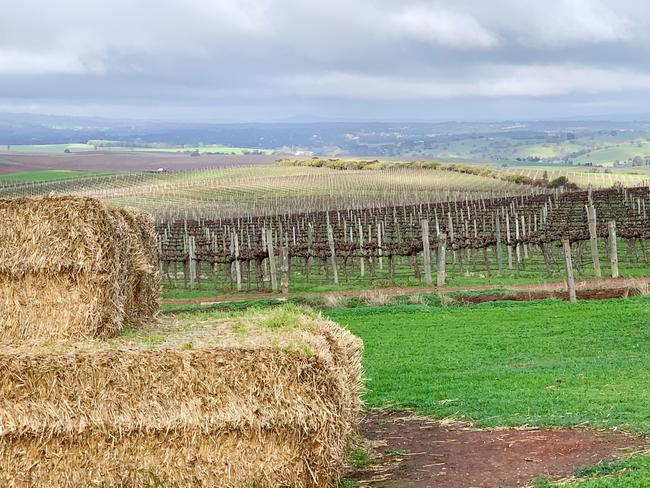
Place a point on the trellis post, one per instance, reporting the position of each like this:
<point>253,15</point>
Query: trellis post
<point>613,253</point>
<point>426,247</point>
<point>571,284</point>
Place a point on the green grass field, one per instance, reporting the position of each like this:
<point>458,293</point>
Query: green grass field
<point>504,364</point>
<point>546,363</point>
<point>46,175</point>
<point>620,152</point>
<point>629,473</point>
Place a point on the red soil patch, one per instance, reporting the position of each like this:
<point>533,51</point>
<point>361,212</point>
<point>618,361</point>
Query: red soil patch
<point>415,452</point>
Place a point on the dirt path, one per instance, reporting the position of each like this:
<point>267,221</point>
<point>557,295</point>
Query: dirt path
<point>418,453</point>
<point>538,291</point>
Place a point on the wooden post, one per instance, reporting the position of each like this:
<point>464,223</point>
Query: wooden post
<point>362,261</point>
<point>571,284</point>
<point>593,239</point>
<point>517,246</point>
<point>426,247</point>
<point>613,253</point>
<point>330,239</point>
<point>310,259</point>
<point>237,262</point>
<point>440,265</point>
<point>272,267</point>
<point>524,233</point>
<point>284,269</point>
<point>509,245</point>
<point>192,261</point>
<point>450,224</point>
<point>379,249</point>
<point>498,247</point>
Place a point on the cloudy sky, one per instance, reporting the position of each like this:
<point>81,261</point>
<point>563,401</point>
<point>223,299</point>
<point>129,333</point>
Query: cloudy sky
<point>276,60</point>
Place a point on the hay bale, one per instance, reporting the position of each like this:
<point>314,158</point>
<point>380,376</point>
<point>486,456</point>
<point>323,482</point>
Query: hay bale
<point>62,268</point>
<point>148,289</point>
<point>230,403</point>
<point>143,281</point>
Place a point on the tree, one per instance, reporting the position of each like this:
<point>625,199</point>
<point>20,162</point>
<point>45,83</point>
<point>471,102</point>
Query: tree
<point>558,182</point>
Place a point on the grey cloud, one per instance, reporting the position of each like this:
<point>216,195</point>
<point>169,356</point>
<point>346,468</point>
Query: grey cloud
<point>267,59</point>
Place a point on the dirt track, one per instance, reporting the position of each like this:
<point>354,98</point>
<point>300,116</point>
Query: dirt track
<point>418,453</point>
<point>594,289</point>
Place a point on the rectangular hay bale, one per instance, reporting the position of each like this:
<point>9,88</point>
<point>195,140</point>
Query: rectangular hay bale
<point>65,266</point>
<point>226,403</point>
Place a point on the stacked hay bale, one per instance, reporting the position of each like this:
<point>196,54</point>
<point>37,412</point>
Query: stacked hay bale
<point>229,403</point>
<point>148,288</point>
<point>62,269</point>
<point>68,268</point>
<point>143,282</point>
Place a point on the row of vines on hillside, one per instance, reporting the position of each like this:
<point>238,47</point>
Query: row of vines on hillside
<point>489,235</point>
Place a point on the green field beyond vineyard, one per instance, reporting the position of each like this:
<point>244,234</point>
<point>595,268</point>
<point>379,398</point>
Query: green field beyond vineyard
<point>503,364</point>
<point>508,364</point>
<point>23,177</point>
<point>500,364</point>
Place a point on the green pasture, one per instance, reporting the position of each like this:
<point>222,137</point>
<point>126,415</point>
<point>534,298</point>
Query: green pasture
<point>621,152</point>
<point>545,363</point>
<point>46,175</point>
<point>550,150</point>
<point>44,148</point>
<point>509,364</point>
<point>628,473</point>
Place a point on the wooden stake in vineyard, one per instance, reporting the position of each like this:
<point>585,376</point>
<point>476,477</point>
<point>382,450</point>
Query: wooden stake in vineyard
<point>426,247</point>
<point>442,259</point>
<point>272,267</point>
<point>613,253</point>
<point>284,270</point>
<point>330,239</point>
<point>571,284</point>
<point>499,250</point>
<point>593,238</point>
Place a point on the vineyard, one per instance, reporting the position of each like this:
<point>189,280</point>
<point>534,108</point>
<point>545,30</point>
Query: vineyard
<point>409,243</point>
<point>306,228</point>
<point>271,190</point>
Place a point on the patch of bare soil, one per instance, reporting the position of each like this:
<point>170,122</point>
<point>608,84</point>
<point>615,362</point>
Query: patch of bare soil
<point>125,161</point>
<point>416,452</point>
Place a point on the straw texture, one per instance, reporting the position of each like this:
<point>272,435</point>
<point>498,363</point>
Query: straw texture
<point>143,279</point>
<point>68,268</point>
<point>62,269</point>
<point>221,403</point>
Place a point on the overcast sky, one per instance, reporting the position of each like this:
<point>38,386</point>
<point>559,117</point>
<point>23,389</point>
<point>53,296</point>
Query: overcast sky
<point>262,60</point>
